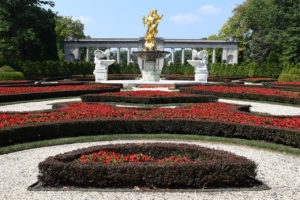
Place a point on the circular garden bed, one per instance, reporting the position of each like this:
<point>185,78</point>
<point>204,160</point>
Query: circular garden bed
<point>151,165</point>
<point>148,97</point>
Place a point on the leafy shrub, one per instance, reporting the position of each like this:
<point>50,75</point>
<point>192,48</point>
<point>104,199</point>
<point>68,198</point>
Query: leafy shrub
<point>293,75</point>
<point>6,68</point>
<point>4,76</point>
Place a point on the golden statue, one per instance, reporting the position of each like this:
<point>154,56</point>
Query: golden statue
<point>153,20</point>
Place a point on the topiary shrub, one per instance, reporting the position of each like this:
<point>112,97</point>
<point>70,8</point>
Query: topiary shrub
<point>6,68</point>
<point>4,76</point>
<point>293,75</point>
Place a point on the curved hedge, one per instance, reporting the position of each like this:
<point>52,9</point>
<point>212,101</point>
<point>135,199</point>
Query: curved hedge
<point>83,127</point>
<point>213,169</point>
<point>149,100</point>
<point>53,94</point>
<point>250,96</point>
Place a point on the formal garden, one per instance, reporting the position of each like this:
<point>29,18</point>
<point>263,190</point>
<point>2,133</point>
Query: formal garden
<point>198,126</point>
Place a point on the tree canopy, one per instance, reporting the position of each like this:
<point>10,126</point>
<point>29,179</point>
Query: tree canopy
<point>27,30</point>
<point>265,26</point>
<point>64,26</point>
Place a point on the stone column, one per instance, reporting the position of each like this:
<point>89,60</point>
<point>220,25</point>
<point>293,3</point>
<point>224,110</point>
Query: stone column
<point>128,56</point>
<point>224,55</point>
<point>87,54</point>
<point>193,57</point>
<point>182,55</point>
<point>76,53</point>
<point>118,55</point>
<point>235,56</point>
<point>214,55</point>
<point>172,55</point>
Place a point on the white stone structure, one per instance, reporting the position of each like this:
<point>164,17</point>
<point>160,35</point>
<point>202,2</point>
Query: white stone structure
<point>200,66</point>
<point>101,65</point>
<point>229,47</point>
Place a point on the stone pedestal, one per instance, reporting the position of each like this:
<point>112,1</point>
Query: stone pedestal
<point>150,66</point>
<point>101,70</point>
<point>201,72</point>
<point>150,73</point>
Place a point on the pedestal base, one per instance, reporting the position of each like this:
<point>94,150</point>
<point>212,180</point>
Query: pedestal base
<point>150,73</point>
<point>101,69</point>
<point>201,76</point>
<point>100,75</point>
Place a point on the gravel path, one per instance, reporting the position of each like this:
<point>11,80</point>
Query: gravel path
<point>273,109</point>
<point>280,172</point>
<point>34,106</point>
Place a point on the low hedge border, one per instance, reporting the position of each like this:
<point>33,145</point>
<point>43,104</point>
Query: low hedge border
<point>73,128</point>
<point>215,169</point>
<point>149,100</point>
<point>20,82</point>
<point>53,94</point>
<point>44,84</point>
<point>259,97</point>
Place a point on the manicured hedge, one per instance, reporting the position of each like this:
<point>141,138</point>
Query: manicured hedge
<point>214,169</point>
<point>11,76</point>
<point>259,97</point>
<point>149,100</point>
<point>72,128</point>
<point>16,82</point>
<point>53,94</point>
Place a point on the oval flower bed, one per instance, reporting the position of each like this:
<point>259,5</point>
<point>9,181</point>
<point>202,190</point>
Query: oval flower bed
<point>254,93</point>
<point>26,93</point>
<point>216,119</point>
<point>198,167</point>
<point>148,97</point>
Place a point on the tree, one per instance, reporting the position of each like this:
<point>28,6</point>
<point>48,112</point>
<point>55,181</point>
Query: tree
<point>27,30</point>
<point>64,26</point>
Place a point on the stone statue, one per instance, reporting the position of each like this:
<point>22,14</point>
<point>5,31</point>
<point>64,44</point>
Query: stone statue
<point>100,54</point>
<point>153,20</point>
<point>101,65</point>
<point>200,66</point>
<point>201,54</point>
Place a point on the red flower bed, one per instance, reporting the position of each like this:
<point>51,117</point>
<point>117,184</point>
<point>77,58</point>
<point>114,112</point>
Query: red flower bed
<point>247,90</point>
<point>157,86</point>
<point>147,94</point>
<point>112,157</point>
<point>208,111</point>
<point>18,90</point>
<point>287,83</point>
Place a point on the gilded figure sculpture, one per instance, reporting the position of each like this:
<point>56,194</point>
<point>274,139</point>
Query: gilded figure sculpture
<point>153,20</point>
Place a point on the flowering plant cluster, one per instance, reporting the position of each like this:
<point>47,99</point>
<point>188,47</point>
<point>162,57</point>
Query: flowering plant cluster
<point>18,90</point>
<point>247,90</point>
<point>147,94</point>
<point>205,111</point>
<point>112,157</point>
<point>287,83</point>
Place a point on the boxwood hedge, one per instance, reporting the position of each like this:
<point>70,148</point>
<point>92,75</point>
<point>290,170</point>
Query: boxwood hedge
<point>214,168</point>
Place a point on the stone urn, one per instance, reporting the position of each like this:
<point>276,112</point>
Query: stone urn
<point>150,69</point>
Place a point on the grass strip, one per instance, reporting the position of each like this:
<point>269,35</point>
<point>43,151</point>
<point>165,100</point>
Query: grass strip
<point>176,137</point>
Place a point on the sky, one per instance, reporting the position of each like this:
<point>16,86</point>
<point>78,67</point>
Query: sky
<point>183,19</point>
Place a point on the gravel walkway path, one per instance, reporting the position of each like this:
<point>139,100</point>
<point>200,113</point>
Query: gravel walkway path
<point>34,106</point>
<point>273,109</point>
<point>280,172</point>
